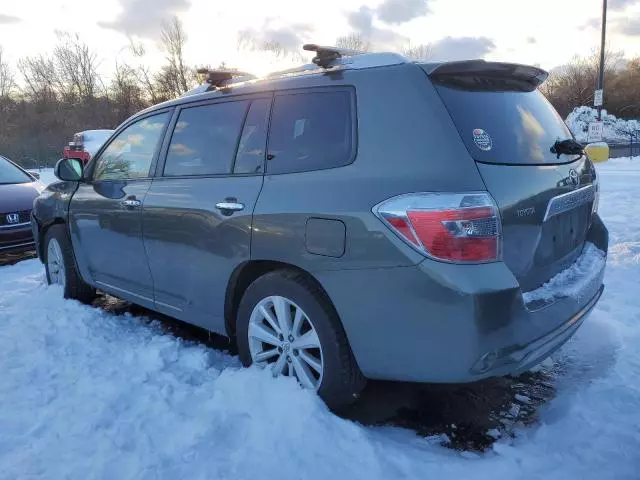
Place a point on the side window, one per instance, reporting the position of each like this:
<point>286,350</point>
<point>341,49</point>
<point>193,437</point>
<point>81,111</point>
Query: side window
<point>251,149</point>
<point>204,139</point>
<point>130,153</point>
<point>310,131</point>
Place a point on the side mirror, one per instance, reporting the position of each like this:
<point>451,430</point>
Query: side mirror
<point>69,169</point>
<point>597,152</point>
<point>35,175</point>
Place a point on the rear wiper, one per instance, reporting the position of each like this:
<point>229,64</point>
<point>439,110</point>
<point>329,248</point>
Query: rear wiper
<point>567,147</point>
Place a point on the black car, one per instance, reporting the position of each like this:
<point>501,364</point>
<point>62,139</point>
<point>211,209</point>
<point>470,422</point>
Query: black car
<point>18,189</point>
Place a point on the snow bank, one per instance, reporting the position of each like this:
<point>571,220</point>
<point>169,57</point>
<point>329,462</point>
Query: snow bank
<point>89,394</point>
<point>615,129</point>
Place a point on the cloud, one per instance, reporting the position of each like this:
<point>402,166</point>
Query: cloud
<point>362,19</point>
<point>144,17</point>
<point>532,40</point>
<point>401,11</point>
<point>628,26</point>
<point>278,39</point>
<point>377,38</point>
<point>621,4</point>
<point>591,23</point>
<point>8,19</point>
<point>461,48</point>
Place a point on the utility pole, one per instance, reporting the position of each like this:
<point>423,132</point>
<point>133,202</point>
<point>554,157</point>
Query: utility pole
<point>602,48</point>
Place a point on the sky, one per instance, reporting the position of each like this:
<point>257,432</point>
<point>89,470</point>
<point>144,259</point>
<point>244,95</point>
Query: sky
<point>545,32</point>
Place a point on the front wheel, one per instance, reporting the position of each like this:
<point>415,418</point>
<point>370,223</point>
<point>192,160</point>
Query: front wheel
<point>286,324</point>
<point>61,268</point>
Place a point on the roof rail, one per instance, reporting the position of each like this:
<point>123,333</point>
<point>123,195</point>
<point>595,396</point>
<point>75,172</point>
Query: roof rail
<point>218,78</point>
<point>326,55</point>
<point>333,58</point>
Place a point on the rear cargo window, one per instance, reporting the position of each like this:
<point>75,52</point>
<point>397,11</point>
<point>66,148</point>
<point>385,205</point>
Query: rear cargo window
<point>506,127</point>
<point>311,131</point>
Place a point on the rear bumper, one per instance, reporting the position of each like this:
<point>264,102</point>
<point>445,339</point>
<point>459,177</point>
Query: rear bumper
<point>437,322</point>
<point>18,238</point>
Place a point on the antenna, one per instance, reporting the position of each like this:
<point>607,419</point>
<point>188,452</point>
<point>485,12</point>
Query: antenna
<point>325,56</point>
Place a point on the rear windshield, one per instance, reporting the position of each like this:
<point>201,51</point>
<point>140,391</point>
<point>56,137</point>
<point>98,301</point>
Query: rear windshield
<point>9,173</point>
<point>506,127</point>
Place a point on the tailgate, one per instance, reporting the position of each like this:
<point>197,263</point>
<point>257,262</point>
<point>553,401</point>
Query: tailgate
<point>508,126</point>
<point>545,216</point>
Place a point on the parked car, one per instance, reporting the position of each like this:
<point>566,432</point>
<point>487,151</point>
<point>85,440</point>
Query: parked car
<point>363,217</point>
<point>86,144</point>
<point>18,189</point>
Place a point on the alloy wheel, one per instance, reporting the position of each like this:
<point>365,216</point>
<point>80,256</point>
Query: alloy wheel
<point>283,338</point>
<point>55,263</point>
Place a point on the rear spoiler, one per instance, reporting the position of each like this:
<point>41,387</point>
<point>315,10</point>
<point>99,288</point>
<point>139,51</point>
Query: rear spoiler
<point>486,76</point>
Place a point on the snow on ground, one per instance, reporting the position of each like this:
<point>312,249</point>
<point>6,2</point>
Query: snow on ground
<point>89,394</point>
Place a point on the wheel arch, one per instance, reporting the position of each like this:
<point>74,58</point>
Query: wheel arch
<point>42,233</point>
<point>245,274</point>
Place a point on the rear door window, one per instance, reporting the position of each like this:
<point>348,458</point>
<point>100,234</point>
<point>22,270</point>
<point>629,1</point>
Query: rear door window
<point>506,127</point>
<point>311,131</point>
<point>204,139</point>
<point>251,148</point>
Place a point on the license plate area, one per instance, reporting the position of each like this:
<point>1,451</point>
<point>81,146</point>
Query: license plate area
<point>563,233</point>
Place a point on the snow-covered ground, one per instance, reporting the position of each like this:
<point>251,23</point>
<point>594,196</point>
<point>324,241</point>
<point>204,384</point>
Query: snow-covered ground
<point>89,394</point>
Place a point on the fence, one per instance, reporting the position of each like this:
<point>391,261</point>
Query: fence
<point>633,146</point>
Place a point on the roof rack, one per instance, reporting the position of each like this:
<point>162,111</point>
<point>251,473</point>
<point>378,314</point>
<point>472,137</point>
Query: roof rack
<point>325,56</point>
<point>218,78</point>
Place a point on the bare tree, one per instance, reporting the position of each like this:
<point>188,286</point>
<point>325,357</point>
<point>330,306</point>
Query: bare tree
<point>40,77</point>
<point>7,77</point>
<point>125,90</point>
<point>573,84</point>
<point>354,41</point>
<point>143,72</point>
<point>417,52</point>
<point>173,39</point>
<point>76,66</point>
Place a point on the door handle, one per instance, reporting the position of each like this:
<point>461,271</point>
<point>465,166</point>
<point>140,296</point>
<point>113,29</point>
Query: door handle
<point>131,203</point>
<point>228,206</point>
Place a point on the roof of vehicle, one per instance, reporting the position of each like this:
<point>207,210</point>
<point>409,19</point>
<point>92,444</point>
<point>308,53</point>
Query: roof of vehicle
<point>290,78</point>
<point>99,131</point>
<point>330,61</point>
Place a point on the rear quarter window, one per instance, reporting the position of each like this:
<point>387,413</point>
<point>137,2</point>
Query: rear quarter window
<point>506,127</point>
<point>311,131</point>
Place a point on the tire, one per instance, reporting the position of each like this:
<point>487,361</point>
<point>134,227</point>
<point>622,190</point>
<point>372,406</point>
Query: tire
<point>340,380</point>
<point>63,271</point>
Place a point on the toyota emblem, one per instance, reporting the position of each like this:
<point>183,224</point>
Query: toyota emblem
<point>13,218</point>
<point>574,178</point>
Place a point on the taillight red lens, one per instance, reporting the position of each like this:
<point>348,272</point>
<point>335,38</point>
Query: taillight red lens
<point>402,226</point>
<point>450,227</point>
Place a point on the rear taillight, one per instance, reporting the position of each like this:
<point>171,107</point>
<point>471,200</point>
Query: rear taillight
<point>458,227</point>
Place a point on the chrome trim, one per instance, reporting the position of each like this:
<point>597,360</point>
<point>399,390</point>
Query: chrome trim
<point>568,201</point>
<point>162,304</point>
<point>14,225</point>
<point>131,203</point>
<point>18,245</point>
<point>106,285</point>
<point>232,206</point>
